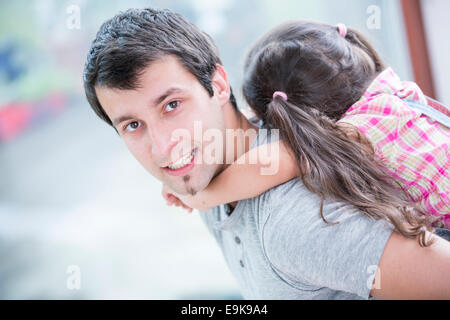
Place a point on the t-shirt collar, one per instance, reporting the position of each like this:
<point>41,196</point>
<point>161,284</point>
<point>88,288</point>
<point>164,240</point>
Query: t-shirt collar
<point>387,82</point>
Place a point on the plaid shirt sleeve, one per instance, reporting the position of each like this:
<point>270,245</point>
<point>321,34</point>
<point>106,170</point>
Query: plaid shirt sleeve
<point>414,148</point>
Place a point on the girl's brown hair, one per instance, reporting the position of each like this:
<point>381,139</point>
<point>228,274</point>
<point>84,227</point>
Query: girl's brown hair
<point>323,74</point>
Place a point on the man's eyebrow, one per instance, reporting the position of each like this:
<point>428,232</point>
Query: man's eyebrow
<point>120,119</point>
<point>167,93</point>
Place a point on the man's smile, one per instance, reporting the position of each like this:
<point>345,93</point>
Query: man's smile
<point>182,165</point>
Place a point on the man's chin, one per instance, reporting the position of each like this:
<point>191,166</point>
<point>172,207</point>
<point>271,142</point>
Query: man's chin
<point>185,186</point>
<point>192,182</point>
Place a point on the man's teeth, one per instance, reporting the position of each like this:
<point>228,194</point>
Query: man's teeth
<point>182,161</point>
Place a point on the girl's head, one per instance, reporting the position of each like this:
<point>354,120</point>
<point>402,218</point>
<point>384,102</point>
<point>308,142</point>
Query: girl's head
<point>313,64</point>
<point>322,72</point>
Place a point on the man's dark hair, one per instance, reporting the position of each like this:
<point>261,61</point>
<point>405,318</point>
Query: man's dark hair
<point>131,40</point>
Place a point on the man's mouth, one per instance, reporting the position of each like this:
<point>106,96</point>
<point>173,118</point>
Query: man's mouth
<point>182,165</point>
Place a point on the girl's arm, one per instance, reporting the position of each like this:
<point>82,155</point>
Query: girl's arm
<point>253,173</point>
<point>245,178</point>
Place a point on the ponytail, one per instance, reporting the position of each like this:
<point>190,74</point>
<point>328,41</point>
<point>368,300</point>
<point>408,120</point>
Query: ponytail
<point>359,41</point>
<point>339,163</point>
<point>323,71</point>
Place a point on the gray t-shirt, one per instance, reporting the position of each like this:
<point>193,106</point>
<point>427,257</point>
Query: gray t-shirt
<point>278,247</point>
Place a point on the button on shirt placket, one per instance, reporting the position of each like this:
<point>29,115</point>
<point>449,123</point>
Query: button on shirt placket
<point>237,240</point>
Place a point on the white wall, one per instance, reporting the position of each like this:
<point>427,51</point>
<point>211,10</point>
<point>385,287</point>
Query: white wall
<point>436,15</point>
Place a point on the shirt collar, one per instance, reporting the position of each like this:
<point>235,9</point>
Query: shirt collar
<point>387,82</point>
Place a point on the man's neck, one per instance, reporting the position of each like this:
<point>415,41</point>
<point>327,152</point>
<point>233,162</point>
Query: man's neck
<point>235,120</point>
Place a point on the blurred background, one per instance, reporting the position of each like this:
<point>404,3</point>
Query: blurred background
<point>79,217</point>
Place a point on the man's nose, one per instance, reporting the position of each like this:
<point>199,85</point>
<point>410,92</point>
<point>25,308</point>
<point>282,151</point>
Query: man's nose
<point>162,142</point>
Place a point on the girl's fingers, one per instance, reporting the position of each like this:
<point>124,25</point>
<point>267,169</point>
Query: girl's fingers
<point>165,193</point>
<point>187,208</point>
<point>179,202</point>
<point>173,200</point>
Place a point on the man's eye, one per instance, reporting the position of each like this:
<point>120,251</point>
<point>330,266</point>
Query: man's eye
<point>132,126</point>
<point>172,105</point>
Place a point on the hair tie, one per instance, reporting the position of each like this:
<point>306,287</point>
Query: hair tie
<point>342,29</point>
<point>280,94</point>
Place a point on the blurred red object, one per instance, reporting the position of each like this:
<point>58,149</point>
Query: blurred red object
<point>17,117</point>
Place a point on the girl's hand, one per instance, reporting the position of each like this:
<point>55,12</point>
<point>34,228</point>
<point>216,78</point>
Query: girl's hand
<point>172,198</point>
<point>187,201</point>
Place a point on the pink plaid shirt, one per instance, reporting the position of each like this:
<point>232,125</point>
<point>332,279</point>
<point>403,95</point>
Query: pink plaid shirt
<point>414,147</point>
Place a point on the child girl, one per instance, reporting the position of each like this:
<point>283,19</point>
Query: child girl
<point>346,128</point>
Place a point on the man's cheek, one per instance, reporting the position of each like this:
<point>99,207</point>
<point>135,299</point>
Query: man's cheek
<point>143,157</point>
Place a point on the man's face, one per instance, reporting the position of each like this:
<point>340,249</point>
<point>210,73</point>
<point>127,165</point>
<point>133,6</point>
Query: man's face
<point>169,98</point>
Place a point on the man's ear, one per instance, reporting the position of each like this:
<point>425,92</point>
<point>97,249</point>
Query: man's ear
<point>220,85</point>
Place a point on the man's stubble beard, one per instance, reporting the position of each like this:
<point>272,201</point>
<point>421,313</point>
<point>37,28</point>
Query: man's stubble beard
<point>192,190</point>
<point>204,178</point>
<point>189,189</point>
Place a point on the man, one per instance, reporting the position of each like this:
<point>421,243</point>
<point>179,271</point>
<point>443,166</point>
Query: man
<point>151,73</point>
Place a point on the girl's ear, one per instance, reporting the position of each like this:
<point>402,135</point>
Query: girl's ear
<point>220,85</point>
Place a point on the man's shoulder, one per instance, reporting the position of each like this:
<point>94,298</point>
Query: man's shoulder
<point>284,203</point>
<point>310,253</point>
<point>292,204</point>
<point>288,196</point>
